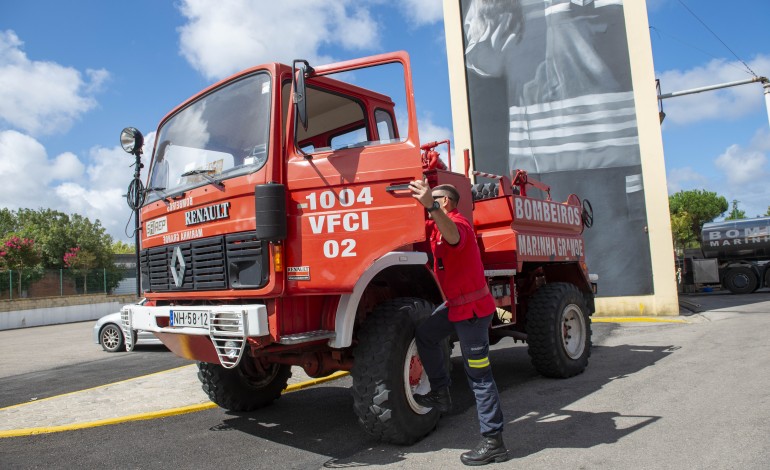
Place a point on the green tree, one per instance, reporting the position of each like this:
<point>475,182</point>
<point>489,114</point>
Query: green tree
<point>7,222</point>
<point>119,247</point>
<point>22,256</point>
<point>681,229</point>
<point>700,206</point>
<point>735,213</point>
<point>768,211</point>
<point>55,233</point>
<point>49,228</point>
<point>80,262</point>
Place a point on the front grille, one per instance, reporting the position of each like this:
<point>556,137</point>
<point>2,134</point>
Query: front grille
<point>199,265</point>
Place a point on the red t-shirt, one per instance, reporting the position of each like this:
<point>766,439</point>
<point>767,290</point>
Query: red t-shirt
<point>459,271</point>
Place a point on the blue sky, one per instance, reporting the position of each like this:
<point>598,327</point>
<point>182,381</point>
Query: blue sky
<point>73,74</point>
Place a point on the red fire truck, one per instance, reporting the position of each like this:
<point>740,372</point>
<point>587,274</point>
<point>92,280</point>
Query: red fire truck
<point>278,230</point>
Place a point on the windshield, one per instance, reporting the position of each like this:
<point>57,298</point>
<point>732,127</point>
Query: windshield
<point>221,135</point>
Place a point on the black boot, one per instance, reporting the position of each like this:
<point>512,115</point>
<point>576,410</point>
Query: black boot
<point>439,399</point>
<point>490,449</point>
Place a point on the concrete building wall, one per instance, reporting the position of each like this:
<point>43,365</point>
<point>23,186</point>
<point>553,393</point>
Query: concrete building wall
<point>642,272</point>
<point>53,311</point>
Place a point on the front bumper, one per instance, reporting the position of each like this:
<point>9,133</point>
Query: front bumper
<point>228,327</point>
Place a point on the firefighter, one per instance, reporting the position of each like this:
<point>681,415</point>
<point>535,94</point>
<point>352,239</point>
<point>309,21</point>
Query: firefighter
<point>467,311</point>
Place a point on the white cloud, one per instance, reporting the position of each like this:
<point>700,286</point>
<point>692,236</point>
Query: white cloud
<point>761,141</point>
<point>727,103</point>
<point>94,190</point>
<point>222,38</point>
<point>743,172</point>
<point>746,171</point>
<point>741,165</point>
<point>42,97</point>
<point>684,178</point>
<point>67,166</point>
<point>422,12</point>
<point>360,33</point>
<point>28,173</point>
<point>430,131</point>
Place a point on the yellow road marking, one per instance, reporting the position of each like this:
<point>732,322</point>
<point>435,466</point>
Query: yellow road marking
<point>636,320</point>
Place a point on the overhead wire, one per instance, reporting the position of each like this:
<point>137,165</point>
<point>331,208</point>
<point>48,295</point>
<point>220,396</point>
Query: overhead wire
<point>718,38</point>
<point>661,32</point>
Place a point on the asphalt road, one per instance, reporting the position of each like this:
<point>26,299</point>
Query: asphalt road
<point>655,396</point>
<point>45,361</point>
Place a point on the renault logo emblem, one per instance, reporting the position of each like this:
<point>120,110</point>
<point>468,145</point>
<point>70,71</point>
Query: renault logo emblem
<point>177,267</point>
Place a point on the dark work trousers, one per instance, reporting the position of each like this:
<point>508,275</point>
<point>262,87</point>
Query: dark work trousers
<point>474,344</point>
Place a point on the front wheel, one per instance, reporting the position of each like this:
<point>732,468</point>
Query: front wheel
<point>243,388</point>
<point>388,371</point>
<point>111,338</point>
<point>559,330</point>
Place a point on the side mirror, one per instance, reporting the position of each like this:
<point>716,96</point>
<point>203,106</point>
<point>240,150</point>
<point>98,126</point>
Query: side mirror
<point>300,101</point>
<point>132,141</point>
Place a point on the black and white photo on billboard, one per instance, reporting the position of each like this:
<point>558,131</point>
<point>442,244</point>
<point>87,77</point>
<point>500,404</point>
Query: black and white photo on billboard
<point>550,92</point>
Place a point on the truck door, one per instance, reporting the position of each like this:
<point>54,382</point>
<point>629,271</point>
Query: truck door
<point>347,175</point>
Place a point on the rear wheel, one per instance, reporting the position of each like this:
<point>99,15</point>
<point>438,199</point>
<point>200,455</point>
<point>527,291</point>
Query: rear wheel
<point>243,388</point>
<point>387,372</point>
<point>559,330</point>
<point>741,280</point>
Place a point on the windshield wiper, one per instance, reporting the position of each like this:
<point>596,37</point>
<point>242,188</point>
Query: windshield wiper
<point>205,174</point>
<point>158,191</point>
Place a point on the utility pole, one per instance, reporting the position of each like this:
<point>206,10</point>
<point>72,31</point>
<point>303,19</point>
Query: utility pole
<point>765,84</point>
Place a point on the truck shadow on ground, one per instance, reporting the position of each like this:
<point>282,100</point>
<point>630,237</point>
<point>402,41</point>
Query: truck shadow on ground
<point>537,411</point>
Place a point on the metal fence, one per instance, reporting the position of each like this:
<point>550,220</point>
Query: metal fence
<point>36,283</point>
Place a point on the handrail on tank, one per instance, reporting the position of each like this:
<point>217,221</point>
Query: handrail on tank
<point>520,179</point>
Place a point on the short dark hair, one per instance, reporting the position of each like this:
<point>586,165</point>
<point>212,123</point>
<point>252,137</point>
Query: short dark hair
<point>453,193</point>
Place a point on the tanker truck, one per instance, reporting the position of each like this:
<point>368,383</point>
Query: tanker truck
<point>734,254</point>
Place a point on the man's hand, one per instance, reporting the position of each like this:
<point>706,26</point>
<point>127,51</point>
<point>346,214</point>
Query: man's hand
<point>422,192</point>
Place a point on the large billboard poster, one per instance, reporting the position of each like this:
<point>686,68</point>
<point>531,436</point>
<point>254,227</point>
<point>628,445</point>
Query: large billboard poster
<point>549,91</point>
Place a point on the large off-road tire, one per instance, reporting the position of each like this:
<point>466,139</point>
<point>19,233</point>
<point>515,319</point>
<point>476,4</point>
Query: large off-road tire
<point>387,371</point>
<point>559,330</point>
<point>741,280</point>
<point>241,388</point>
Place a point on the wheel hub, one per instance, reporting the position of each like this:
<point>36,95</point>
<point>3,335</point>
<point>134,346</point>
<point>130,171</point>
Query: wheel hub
<point>573,332</point>
<point>258,377</point>
<point>415,379</point>
<point>415,371</point>
<point>110,338</point>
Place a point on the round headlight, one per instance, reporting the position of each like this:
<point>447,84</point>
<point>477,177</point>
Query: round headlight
<point>131,140</point>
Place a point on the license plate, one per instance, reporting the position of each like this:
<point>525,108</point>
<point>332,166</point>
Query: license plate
<point>189,318</point>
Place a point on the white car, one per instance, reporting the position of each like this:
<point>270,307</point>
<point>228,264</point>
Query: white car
<point>109,334</point>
